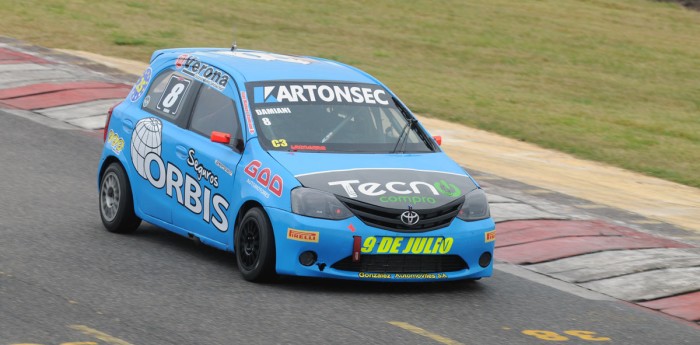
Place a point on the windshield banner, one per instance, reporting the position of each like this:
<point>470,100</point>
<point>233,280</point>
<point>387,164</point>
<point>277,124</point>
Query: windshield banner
<point>301,92</point>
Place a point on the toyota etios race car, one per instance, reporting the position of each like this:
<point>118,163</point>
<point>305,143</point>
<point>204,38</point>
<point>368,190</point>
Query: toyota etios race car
<point>301,166</point>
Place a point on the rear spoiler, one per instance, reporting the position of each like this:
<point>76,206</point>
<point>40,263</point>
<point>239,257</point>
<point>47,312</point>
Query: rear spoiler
<point>160,52</point>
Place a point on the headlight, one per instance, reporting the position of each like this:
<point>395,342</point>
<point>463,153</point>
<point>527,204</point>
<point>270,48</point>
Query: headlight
<point>475,207</point>
<point>315,203</point>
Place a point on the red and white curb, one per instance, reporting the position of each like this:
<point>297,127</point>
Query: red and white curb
<point>69,94</point>
<point>610,259</point>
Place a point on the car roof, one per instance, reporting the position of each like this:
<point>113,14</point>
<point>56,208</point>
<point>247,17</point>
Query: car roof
<point>255,65</point>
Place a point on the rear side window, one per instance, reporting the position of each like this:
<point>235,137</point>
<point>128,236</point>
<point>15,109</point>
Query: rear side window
<point>168,95</point>
<point>213,111</point>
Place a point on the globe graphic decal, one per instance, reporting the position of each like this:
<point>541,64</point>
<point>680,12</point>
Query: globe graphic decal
<point>145,139</point>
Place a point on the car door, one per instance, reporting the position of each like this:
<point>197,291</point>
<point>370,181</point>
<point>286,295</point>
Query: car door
<point>154,154</point>
<point>210,167</point>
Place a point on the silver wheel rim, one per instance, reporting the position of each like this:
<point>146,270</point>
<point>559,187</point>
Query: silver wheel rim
<point>109,196</point>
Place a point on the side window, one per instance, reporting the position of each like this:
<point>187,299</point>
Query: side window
<point>214,112</point>
<point>167,95</point>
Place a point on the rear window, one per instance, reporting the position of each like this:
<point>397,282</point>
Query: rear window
<point>167,95</point>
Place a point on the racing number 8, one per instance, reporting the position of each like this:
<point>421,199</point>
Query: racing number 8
<point>173,95</point>
<point>171,99</point>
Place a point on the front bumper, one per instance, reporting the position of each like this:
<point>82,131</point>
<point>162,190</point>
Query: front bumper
<point>332,241</point>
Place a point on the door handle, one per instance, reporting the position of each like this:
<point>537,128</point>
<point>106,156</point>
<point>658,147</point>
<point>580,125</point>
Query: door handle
<point>181,151</point>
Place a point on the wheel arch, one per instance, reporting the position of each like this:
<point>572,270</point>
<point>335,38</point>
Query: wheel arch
<point>247,205</point>
<point>108,161</point>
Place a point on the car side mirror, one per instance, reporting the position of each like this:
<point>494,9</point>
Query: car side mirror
<point>438,139</point>
<point>220,137</point>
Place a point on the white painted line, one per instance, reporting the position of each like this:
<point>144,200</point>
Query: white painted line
<point>93,122</point>
<point>614,263</point>
<point>649,285</point>
<point>487,178</point>
<point>515,211</point>
<point>11,79</point>
<point>590,206</point>
<point>494,199</point>
<point>46,121</point>
<point>538,191</point>
<point>22,67</point>
<point>75,111</point>
<point>647,222</point>
<point>551,282</point>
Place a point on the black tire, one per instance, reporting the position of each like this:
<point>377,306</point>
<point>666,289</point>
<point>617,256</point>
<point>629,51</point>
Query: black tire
<point>255,247</point>
<point>116,202</point>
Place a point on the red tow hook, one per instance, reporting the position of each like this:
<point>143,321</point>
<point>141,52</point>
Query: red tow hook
<point>356,248</point>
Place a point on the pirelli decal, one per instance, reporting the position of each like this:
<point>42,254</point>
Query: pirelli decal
<point>302,236</point>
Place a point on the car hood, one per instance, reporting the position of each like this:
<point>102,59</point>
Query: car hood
<point>422,181</point>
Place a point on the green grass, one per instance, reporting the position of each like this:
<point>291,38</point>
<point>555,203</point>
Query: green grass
<point>616,81</point>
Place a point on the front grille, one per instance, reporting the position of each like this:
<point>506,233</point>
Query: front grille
<point>402,263</point>
<point>390,218</point>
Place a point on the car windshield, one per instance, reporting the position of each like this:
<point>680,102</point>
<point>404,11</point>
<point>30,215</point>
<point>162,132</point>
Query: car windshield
<point>333,117</point>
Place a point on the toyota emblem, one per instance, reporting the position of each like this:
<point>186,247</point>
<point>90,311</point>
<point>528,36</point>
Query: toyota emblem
<point>410,217</point>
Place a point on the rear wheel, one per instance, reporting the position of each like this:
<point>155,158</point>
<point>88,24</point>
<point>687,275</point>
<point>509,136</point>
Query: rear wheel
<point>116,202</point>
<point>255,246</point>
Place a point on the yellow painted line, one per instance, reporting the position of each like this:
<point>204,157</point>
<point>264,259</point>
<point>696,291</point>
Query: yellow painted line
<point>99,335</point>
<point>417,330</point>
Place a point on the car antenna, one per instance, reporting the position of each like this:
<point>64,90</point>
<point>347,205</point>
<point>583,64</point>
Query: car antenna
<point>233,46</point>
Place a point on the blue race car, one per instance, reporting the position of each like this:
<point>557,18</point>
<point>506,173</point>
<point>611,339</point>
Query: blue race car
<point>300,166</point>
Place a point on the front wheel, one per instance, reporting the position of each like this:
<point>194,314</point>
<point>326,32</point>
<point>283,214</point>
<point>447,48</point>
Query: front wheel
<point>116,202</point>
<point>255,246</point>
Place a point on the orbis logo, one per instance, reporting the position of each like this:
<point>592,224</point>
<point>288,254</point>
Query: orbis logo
<point>146,146</point>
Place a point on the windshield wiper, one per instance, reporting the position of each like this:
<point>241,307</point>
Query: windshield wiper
<point>406,128</point>
<point>404,135</point>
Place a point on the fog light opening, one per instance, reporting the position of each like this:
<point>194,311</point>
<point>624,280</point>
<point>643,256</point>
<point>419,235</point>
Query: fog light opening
<point>485,259</point>
<point>307,258</point>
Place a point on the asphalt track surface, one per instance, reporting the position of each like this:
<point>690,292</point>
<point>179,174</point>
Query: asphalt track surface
<point>64,279</point>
